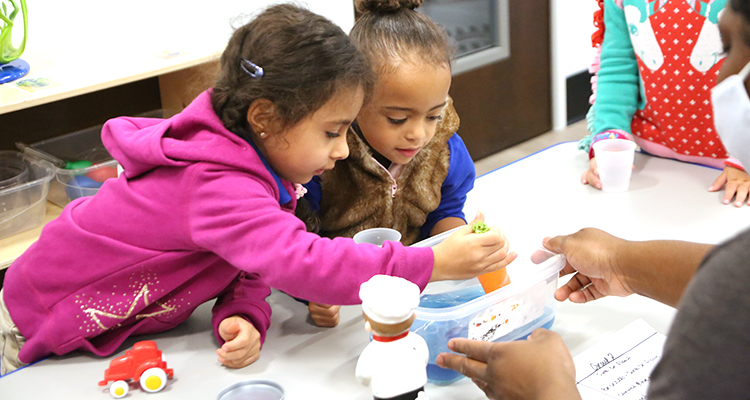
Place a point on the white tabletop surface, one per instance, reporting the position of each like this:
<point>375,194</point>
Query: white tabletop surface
<point>89,45</point>
<point>532,198</point>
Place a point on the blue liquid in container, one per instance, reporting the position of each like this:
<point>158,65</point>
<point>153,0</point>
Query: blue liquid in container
<point>452,298</point>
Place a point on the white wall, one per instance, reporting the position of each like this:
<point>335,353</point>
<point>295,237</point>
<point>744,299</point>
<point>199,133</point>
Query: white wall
<point>572,26</point>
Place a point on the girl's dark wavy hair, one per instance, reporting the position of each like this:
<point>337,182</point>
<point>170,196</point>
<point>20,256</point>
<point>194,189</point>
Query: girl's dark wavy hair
<point>305,59</point>
<point>742,7</point>
<point>389,31</point>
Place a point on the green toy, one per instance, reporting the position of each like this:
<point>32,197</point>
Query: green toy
<point>78,164</point>
<point>480,227</point>
<point>9,53</point>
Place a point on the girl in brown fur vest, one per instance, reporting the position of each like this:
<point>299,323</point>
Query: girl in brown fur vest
<point>407,168</point>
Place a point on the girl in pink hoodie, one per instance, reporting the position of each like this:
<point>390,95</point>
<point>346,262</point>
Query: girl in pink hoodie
<point>205,210</point>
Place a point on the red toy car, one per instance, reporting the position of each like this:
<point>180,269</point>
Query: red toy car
<point>143,364</point>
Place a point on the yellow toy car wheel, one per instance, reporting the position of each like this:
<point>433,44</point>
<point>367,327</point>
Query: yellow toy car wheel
<point>118,389</point>
<point>153,380</point>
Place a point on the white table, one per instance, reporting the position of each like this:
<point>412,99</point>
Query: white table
<point>532,198</point>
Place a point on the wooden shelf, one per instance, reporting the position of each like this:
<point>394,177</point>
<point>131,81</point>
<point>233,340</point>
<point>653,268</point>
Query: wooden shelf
<point>83,48</point>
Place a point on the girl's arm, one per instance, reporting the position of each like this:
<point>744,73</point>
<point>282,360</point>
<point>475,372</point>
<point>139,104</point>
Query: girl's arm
<point>458,182</point>
<point>618,84</point>
<point>238,217</point>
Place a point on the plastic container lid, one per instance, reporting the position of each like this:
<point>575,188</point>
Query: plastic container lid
<point>527,274</point>
<point>253,390</point>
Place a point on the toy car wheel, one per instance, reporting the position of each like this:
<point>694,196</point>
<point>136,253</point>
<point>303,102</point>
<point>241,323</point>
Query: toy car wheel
<point>153,380</point>
<point>118,389</point>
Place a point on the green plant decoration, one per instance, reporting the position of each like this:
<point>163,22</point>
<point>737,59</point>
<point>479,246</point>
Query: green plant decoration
<point>9,53</point>
<point>480,227</point>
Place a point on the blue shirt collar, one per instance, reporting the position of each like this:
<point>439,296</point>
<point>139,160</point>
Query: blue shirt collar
<point>284,196</point>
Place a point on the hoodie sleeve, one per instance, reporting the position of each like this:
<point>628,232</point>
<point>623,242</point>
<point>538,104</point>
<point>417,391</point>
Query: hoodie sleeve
<point>618,84</point>
<point>245,297</point>
<point>236,215</point>
<point>457,184</point>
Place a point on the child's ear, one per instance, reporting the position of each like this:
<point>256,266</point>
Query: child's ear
<point>262,117</point>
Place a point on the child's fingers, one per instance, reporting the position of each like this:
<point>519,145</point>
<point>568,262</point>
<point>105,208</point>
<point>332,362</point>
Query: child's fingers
<point>503,262</point>
<point>238,349</point>
<point>491,238</point>
<point>229,328</point>
<point>478,218</point>
<point>740,196</point>
<point>718,183</point>
<point>238,353</point>
<point>729,192</point>
<point>593,178</point>
<point>324,315</point>
<point>244,338</point>
<point>243,360</point>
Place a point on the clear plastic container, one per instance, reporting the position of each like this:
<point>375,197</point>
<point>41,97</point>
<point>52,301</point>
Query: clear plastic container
<point>23,203</point>
<point>451,309</point>
<point>83,145</point>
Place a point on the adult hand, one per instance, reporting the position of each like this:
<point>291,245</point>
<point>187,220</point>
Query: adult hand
<point>241,342</point>
<point>540,367</point>
<point>591,176</point>
<point>737,186</point>
<point>324,315</point>
<point>466,254</point>
<point>591,255</point>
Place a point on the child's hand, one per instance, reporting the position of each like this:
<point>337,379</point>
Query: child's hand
<point>242,342</point>
<point>591,177</point>
<point>324,315</point>
<point>738,186</point>
<point>540,367</point>
<point>465,254</point>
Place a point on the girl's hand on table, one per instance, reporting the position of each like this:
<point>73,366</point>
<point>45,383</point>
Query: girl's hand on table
<point>242,342</point>
<point>324,315</point>
<point>737,186</point>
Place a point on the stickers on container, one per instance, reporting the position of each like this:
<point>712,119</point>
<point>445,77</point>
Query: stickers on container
<point>504,317</point>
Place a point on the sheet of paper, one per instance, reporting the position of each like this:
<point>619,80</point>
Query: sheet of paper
<point>619,366</point>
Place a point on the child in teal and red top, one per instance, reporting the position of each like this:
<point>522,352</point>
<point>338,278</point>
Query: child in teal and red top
<point>659,61</point>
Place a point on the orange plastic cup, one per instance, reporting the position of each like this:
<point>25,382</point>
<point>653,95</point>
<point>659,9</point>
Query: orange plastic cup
<point>494,280</point>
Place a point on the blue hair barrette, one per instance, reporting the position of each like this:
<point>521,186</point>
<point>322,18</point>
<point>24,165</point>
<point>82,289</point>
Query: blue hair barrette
<point>257,71</point>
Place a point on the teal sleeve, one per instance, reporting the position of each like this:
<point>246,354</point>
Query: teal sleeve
<point>618,84</point>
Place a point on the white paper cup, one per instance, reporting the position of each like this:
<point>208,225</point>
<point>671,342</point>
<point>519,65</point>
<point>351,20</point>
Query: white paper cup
<point>377,236</point>
<point>614,159</point>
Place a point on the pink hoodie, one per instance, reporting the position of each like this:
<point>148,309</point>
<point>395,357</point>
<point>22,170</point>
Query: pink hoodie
<point>195,216</point>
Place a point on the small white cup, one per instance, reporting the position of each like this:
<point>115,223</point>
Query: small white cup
<point>377,236</point>
<point>614,159</point>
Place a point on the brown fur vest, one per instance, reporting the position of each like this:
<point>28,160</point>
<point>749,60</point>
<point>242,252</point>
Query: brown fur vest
<point>357,193</point>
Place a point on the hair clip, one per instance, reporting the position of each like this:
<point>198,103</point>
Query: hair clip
<point>257,70</point>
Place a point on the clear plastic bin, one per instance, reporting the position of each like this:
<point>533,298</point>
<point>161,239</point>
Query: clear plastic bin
<point>83,145</point>
<point>23,197</point>
<point>452,309</point>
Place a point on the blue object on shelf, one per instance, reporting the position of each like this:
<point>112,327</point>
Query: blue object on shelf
<point>13,70</point>
<point>81,186</point>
